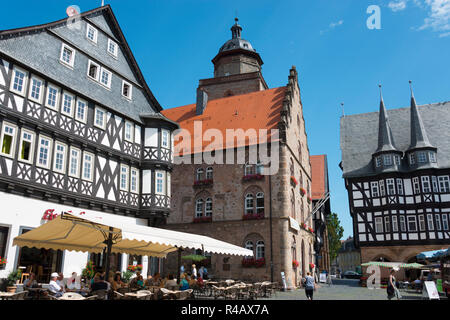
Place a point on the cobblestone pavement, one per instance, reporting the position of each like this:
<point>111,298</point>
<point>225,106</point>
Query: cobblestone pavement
<point>343,289</point>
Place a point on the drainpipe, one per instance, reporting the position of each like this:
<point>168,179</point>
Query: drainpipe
<point>270,224</point>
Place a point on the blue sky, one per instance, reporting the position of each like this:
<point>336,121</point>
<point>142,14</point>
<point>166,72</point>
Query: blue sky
<point>338,58</point>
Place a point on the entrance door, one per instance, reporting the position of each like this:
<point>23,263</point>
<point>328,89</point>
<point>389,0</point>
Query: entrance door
<point>40,261</point>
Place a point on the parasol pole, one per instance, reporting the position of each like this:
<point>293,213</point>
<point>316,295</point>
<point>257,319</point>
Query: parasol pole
<point>108,253</point>
<point>179,265</point>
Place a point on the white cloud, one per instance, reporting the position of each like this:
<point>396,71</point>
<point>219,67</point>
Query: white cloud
<point>332,26</point>
<point>397,5</point>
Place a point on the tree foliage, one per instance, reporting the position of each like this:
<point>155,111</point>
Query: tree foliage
<point>335,233</point>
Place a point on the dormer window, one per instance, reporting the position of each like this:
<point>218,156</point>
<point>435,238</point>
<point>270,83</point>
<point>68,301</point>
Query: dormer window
<point>91,33</point>
<point>432,157</point>
<point>422,156</point>
<point>112,48</point>
<point>387,160</point>
<point>378,161</point>
<point>397,160</point>
<point>412,158</point>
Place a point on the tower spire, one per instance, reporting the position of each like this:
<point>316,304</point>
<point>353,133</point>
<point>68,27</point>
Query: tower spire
<point>236,29</point>
<point>385,138</point>
<point>419,137</point>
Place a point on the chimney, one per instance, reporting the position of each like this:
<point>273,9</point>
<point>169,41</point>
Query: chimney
<point>202,100</point>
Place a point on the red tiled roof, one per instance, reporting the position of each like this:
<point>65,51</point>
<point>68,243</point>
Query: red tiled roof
<point>255,110</point>
<point>318,176</point>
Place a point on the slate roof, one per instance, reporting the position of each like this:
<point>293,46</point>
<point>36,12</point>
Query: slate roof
<point>255,110</point>
<point>359,135</point>
<point>385,139</point>
<point>38,47</point>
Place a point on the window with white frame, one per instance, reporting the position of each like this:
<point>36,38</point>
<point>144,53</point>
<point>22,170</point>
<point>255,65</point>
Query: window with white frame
<point>374,187</point>
<point>209,173</point>
<point>397,160</point>
<point>259,249</point>
<point>444,222</point>
<point>249,169</point>
<point>199,174</point>
<point>160,182</point>
<point>67,55</point>
<point>127,90</point>
<point>59,165</point>
<point>88,166</point>
<point>426,187</point>
<point>81,110</point>
<point>74,162</point>
<point>198,208</point>
<point>105,77</point>
<point>249,245</point>
<point>378,225</point>
<point>422,157</point>
<point>260,202</point>
<point>434,183</point>
<point>444,185</point>
<point>100,118</point>
<point>390,186</point>
<point>421,222</point>
<point>208,207</point>
<point>432,156</point>
<point>387,224</point>
<point>52,97</point>
<point>430,222</point>
<point>113,48</point>
<point>416,185</point>
<point>44,153</point>
<point>400,186</point>
<point>402,224</point>
<point>91,33</point>
<point>124,172</point>
<point>165,138</point>
<point>412,223</point>
<point>8,139</point>
<point>249,203</point>
<point>387,159</point>
<point>26,146</point>
<point>394,224</point>
<point>412,158</point>
<point>134,180</point>
<point>67,104</point>
<point>129,134</point>
<point>36,88</point>
<point>382,192</point>
<point>19,81</point>
<point>93,71</point>
<point>438,222</point>
<point>378,161</point>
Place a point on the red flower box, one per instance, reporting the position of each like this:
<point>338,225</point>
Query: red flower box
<point>311,230</point>
<point>205,182</point>
<point>253,216</point>
<point>249,177</point>
<point>309,199</point>
<point>293,180</point>
<point>202,219</point>
<point>311,265</point>
<point>3,261</point>
<point>260,262</point>
<point>302,191</point>
<point>295,263</point>
<point>134,268</point>
<point>248,262</point>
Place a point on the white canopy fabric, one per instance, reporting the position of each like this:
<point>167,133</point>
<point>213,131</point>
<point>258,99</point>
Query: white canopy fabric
<point>87,232</point>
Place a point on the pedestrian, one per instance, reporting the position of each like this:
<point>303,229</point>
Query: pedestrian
<point>310,286</point>
<point>194,271</point>
<point>392,290</point>
<point>182,269</point>
<point>329,282</point>
<point>200,272</point>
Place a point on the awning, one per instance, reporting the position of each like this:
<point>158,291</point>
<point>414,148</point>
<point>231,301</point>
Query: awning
<point>88,231</point>
<point>434,254</point>
<point>393,264</point>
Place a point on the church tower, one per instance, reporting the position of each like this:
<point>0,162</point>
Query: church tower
<point>237,69</point>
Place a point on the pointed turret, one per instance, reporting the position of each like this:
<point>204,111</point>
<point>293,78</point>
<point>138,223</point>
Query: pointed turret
<point>419,138</point>
<point>385,138</point>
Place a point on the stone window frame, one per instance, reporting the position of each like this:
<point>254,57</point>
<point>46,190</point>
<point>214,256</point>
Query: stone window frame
<point>253,191</point>
<point>255,238</point>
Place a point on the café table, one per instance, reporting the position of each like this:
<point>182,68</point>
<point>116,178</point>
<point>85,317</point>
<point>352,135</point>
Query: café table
<point>6,295</point>
<point>135,295</point>
<point>38,292</point>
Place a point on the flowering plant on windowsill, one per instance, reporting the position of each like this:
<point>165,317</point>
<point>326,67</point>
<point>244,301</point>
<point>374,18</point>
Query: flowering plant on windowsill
<point>260,262</point>
<point>310,230</point>
<point>134,268</point>
<point>2,261</point>
<point>295,263</point>
<point>309,199</point>
<point>249,177</point>
<point>202,219</point>
<point>311,265</point>
<point>253,216</point>
<point>205,182</point>
<point>302,191</point>
<point>248,262</point>
<point>294,181</point>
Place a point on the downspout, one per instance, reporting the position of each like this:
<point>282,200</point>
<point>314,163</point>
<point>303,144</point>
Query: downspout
<point>270,225</point>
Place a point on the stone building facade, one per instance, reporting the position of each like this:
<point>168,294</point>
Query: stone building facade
<point>236,203</point>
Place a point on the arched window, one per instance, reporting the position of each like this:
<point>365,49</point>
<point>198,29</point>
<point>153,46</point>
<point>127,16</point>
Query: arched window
<point>302,211</point>
<point>293,204</point>
<point>259,168</point>
<point>199,174</point>
<point>300,151</point>
<point>208,207</point>
<point>301,179</point>
<point>294,249</point>
<point>259,249</point>
<point>260,202</point>
<point>249,203</point>
<point>249,169</point>
<point>209,173</point>
<point>292,168</point>
<point>249,245</point>
<point>199,208</point>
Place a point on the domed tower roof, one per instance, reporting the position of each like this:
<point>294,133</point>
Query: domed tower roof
<point>236,42</point>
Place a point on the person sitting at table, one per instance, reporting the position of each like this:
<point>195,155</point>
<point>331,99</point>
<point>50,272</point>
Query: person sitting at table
<point>156,280</point>
<point>73,283</point>
<point>117,282</point>
<point>184,284</point>
<point>170,283</point>
<point>418,284</point>
<point>200,282</point>
<point>192,280</point>
<point>99,284</point>
<point>54,287</point>
<point>140,281</point>
<point>30,282</point>
<point>61,282</point>
<point>148,281</point>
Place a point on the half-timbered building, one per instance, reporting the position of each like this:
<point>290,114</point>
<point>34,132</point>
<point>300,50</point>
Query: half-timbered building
<point>80,130</point>
<point>396,169</point>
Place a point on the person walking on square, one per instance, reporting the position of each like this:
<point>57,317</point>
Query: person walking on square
<point>310,286</point>
<point>392,290</point>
